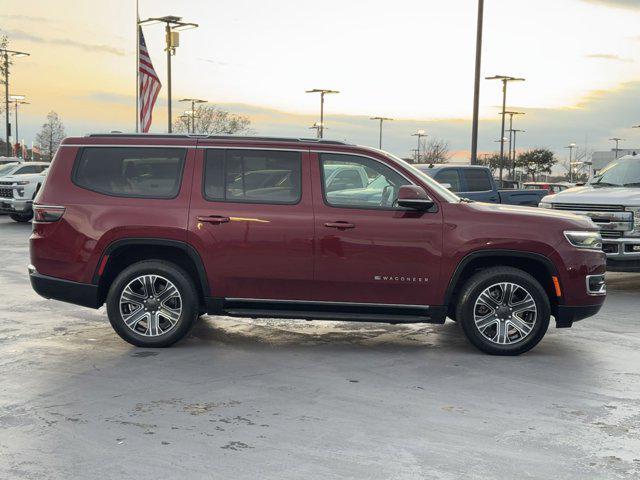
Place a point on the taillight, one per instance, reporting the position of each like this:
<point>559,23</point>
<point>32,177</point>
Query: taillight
<point>47,213</point>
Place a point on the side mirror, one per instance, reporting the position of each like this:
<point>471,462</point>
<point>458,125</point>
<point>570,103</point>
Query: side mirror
<point>446,185</point>
<point>413,196</point>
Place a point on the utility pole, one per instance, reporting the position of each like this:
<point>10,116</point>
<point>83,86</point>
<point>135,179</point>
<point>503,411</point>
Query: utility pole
<point>381,119</point>
<point>172,26</point>
<point>322,92</point>
<point>505,79</point>
<point>476,86</point>
<point>6,53</point>
<point>419,134</point>
<point>617,140</point>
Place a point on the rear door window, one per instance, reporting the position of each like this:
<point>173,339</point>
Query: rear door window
<point>450,176</point>
<point>477,180</point>
<point>131,172</point>
<point>253,176</point>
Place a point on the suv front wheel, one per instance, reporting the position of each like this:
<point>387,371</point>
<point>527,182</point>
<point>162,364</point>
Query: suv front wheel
<point>152,304</point>
<point>503,311</point>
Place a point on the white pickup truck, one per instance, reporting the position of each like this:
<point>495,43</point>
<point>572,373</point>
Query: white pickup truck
<point>612,200</point>
<point>19,184</point>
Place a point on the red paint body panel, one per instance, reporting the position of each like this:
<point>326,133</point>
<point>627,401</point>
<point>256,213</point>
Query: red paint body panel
<point>285,252</point>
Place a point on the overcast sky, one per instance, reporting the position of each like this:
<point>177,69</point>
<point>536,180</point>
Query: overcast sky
<point>408,59</point>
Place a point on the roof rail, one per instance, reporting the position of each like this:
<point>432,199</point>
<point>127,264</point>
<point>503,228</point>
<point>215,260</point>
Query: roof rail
<point>219,137</point>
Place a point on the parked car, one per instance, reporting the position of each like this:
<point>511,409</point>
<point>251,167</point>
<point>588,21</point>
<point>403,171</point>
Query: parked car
<point>161,229</point>
<point>612,200</point>
<point>476,183</point>
<point>7,160</point>
<point>550,187</point>
<point>19,184</point>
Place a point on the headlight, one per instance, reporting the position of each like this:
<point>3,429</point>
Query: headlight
<point>23,182</point>
<point>585,240</point>
<point>544,205</point>
<point>636,221</point>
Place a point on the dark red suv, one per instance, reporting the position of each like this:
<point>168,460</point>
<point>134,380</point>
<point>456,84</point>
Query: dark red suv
<point>167,228</point>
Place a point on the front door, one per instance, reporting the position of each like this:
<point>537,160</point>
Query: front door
<point>368,250</point>
<point>251,220</point>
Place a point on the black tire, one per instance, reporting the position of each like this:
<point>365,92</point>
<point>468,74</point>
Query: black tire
<point>477,284</point>
<point>21,217</point>
<point>185,287</point>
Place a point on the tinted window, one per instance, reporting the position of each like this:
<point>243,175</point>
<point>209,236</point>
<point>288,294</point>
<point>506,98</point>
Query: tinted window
<point>367,182</point>
<point>27,169</point>
<point>478,180</point>
<point>254,176</point>
<point>450,176</point>
<point>131,172</point>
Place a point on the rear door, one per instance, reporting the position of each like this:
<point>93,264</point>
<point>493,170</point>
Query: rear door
<point>251,220</point>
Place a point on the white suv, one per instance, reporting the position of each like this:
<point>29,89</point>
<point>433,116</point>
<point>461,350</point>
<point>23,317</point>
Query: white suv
<point>19,183</point>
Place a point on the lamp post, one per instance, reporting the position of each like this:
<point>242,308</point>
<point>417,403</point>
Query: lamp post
<point>172,26</point>
<point>571,146</point>
<point>381,119</point>
<point>617,140</point>
<point>476,85</point>
<point>17,100</point>
<point>6,54</point>
<point>420,133</point>
<point>510,130</point>
<point>322,92</point>
<point>193,111</point>
<point>514,131</point>
<point>316,127</point>
<point>505,79</point>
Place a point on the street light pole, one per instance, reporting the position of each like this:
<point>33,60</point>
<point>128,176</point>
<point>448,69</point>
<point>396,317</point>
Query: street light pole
<point>17,100</point>
<point>193,102</point>
<point>511,114</point>
<point>322,92</point>
<point>505,79</point>
<point>172,26</point>
<point>6,54</point>
<point>419,134</point>
<point>381,119</point>
<point>476,86</point>
<point>617,140</point>
<point>571,146</point>
<point>514,131</point>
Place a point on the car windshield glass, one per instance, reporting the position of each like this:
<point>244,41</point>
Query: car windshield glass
<point>5,169</point>
<point>445,193</point>
<point>621,173</point>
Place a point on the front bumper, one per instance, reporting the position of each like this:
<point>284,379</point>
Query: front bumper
<point>83,294</point>
<point>15,205</point>
<point>565,315</point>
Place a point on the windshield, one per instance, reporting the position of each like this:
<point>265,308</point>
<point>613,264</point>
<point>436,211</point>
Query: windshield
<point>621,173</point>
<point>5,169</point>
<point>445,193</point>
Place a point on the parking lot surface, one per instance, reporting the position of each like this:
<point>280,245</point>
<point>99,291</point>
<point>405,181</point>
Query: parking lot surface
<point>293,399</point>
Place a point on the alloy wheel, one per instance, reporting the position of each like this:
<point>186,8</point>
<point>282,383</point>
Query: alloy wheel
<point>505,313</point>
<point>150,305</point>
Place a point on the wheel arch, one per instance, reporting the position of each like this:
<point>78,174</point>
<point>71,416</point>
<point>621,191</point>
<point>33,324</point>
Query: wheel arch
<point>537,265</point>
<point>121,253</point>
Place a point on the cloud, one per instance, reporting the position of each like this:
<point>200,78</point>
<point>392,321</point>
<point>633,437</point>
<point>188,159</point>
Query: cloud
<point>28,18</point>
<point>608,56</point>
<point>628,4</point>
<point>64,42</point>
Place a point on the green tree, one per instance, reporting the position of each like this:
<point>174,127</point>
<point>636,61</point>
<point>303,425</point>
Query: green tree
<point>212,120</point>
<point>535,162</point>
<point>491,161</point>
<point>51,135</point>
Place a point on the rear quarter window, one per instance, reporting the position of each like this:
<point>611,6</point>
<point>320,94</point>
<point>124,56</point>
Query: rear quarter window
<point>130,172</point>
<point>478,180</point>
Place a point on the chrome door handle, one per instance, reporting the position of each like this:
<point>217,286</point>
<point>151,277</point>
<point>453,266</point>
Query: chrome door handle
<point>340,225</point>
<point>215,219</point>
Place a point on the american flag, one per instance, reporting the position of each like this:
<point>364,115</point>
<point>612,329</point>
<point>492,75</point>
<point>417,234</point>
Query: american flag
<point>149,84</point>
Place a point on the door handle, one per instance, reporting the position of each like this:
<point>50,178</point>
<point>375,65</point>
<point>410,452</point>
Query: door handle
<point>340,225</point>
<point>215,219</point>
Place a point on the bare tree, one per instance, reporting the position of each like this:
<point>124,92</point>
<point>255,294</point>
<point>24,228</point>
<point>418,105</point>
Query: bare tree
<point>436,151</point>
<point>211,120</point>
<point>50,136</point>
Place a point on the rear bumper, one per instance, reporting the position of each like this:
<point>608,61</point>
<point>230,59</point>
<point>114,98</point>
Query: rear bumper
<point>566,315</point>
<point>83,294</point>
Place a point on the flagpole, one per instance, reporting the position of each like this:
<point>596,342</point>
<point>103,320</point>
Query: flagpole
<point>137,67</point>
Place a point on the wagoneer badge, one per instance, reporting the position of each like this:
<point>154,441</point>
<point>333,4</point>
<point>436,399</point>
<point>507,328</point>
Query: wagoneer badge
<point>400,278</point>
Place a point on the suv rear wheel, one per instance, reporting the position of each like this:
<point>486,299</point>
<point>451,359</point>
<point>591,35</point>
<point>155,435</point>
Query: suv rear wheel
<point>152,304</point>
<point>503,311</point>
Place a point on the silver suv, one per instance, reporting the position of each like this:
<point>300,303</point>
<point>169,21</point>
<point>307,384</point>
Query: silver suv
<point>612,200</point>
